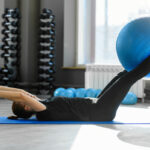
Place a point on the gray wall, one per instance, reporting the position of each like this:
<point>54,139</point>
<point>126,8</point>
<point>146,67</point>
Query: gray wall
<point>64,77</point>
<point>70,34</point>
<point>29,37</point>
<point>11,3</point>
<point>30,12</point>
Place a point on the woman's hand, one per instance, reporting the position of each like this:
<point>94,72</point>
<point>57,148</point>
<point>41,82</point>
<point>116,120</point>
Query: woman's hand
<point>29,94</point>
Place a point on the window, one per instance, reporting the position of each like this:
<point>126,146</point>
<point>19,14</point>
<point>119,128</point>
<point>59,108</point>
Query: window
<point>109,17</point>
<point>86,31</point>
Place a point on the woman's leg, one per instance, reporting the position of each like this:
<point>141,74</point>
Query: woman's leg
<point>113,96</point>
<point>119,75</point>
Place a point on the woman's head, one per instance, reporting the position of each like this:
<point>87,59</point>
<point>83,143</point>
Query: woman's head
<point>21,110</point>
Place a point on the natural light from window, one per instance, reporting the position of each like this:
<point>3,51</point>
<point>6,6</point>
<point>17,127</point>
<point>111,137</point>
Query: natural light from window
<point>111,16</point>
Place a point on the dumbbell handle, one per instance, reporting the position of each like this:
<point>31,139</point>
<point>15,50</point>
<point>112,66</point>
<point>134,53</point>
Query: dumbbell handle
<point>15,63</point>
<point>12,31</point>
<point>7,10</point>
<point>46,71</point>
<point>46,56</point>
<point>47,79</point>
<point>47,32</point>
<point>12,39</point>
<point>46,40</point>
<point>47,11</point>
<point>9,47</point>
<point>12,55</point>
<point>13,23</point>
<point>47,16</point>
<point>49,54</point>
<point>47,24</point>
<point>51,64</point>
<point>6,79</point>
<point>6,71</point>
<point>46,87</point>
<point>11,15</point>
<point>51,48</point>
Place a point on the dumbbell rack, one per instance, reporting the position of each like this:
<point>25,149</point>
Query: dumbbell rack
<point>46,54</point>
<point>10,47</point>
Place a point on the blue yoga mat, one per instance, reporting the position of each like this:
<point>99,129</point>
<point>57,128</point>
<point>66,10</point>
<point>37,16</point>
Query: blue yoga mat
<point>4,120</point>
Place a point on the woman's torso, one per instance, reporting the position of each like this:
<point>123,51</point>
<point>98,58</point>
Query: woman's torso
<point>62,108</point>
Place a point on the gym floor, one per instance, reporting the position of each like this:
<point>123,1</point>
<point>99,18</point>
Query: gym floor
<point>78,137</point>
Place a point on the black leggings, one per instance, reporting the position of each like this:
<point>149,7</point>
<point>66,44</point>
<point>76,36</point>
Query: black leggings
<point>113,94</point>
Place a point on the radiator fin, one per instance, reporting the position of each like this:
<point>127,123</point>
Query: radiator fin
<point>98,76</point>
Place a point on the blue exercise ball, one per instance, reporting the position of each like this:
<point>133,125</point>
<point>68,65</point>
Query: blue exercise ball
<point>69,93</point>
<point>72,89</point>
<point>98,91</point>
<point>59,92</point>
<point>133,43</point>
<point>130,99</point>
<point>80,92</point>
<point>91,92</point>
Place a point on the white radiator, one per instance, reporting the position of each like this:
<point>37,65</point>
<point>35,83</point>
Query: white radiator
<point>97,76</point>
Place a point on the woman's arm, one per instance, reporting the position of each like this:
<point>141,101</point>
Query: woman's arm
<point>5,88</point>
<point>23,98</point>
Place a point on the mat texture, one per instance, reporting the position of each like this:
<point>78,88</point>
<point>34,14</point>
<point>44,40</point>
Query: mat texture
<point>4,120</point>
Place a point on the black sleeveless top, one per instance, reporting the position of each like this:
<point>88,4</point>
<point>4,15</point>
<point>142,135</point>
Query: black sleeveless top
<point>65,109</point>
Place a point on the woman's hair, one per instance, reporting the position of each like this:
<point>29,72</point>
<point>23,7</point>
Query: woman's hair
<point>20,112</point>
